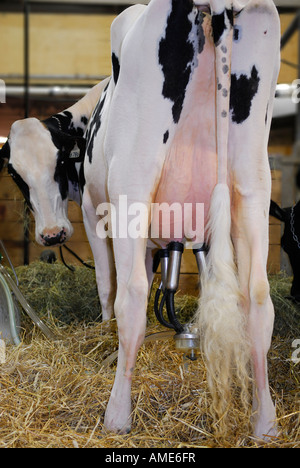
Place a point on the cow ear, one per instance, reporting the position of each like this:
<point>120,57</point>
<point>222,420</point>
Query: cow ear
<point>4,154</point>
<point>72,146</point>
<point>277,212</point>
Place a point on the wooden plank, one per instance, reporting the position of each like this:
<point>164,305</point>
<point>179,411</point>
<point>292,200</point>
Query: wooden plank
<point>74,213</point>
<point>290,52</point>
<point>274,234</point>
<point>8,189</point>
<point>189,264</point>
<point>274,259</point>
<point>12,231</point>
<point>82,249</point>
<point>15,252</point>
<point>80,45</point>
<point>11,210</point>
<point>60,44</point>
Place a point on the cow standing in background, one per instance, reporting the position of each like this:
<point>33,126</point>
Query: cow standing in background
<point>42,159</point>
<point>45,160</point>
<point>290,241</point>
<point>186,119</point>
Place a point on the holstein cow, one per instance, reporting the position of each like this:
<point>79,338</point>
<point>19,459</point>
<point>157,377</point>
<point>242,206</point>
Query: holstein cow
<point>290,241</point>
<point>186,119</point>
<point>42,159</point>
<point>45,159</point>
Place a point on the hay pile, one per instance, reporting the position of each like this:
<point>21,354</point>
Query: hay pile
<point>54,394</point>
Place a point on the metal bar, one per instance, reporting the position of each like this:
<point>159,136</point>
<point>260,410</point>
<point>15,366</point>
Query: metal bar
<point>26,115</point>
<point>93,2</point>
<point>102,6</point>
<point>47,91</point>
<point>56,77</point>
<point>290,31</point>
<point>298,114</point>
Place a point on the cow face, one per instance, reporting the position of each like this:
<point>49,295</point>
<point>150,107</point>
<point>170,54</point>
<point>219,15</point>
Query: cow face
<point>39,164</point>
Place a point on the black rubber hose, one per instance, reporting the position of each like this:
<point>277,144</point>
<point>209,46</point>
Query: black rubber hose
<point>171,312</point>
<point>158,309</point>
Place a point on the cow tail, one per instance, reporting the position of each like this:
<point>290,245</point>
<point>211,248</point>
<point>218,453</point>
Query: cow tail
<point>220,318</point>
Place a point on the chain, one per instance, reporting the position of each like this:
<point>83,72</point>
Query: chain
<point>59,122</point>
<point>295,237</point>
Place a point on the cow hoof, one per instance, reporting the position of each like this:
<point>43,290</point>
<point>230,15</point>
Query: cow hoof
<point>116,421</point>
<point>116,429</point>
<point>266,436</point>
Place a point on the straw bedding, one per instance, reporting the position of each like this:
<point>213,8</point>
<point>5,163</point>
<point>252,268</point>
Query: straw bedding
<point>54,394</point>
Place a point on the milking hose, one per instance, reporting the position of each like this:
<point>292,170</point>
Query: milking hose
<point>34,317</point>
<point>11,311</point>
<point>171,312</point>
<point>168,299</point>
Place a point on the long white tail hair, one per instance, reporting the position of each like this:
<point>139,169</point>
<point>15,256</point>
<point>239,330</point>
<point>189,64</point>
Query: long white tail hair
<point>220,318</point>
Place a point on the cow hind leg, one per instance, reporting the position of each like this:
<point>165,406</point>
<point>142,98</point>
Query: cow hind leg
<point>250,236</point>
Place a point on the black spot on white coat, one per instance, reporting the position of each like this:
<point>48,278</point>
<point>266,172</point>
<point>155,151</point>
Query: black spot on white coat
<point>243,90</point>
<point>115,67</point>
<point>178,51</point>
<point>219,25</point>
<point>94,125</point>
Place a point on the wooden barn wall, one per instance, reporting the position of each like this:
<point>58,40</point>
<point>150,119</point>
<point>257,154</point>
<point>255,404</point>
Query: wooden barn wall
<point>79,45</point>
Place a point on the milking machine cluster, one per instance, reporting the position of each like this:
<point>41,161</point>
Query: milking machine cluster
<point>186,338</point>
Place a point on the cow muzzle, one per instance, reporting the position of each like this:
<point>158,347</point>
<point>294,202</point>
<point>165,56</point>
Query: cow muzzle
<point>52,237</point>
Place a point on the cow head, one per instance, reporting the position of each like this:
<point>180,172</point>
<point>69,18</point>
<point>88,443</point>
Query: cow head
<point>39,163</point>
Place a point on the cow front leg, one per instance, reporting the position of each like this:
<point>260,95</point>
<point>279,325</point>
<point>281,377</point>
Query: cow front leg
<point>250,236</point>
<point>130,312</point>
<point>103,258</point>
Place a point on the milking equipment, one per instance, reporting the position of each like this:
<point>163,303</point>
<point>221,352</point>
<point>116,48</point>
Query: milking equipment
<point>186,338</point>
<point>11,299</point>
<point>9,314</point>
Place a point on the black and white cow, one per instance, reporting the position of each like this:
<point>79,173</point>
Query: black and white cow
<point>186,120</point>
<point>43,159</point>
<point>290,241</point>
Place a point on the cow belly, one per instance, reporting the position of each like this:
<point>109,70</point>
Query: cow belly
<point>190,170</point>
